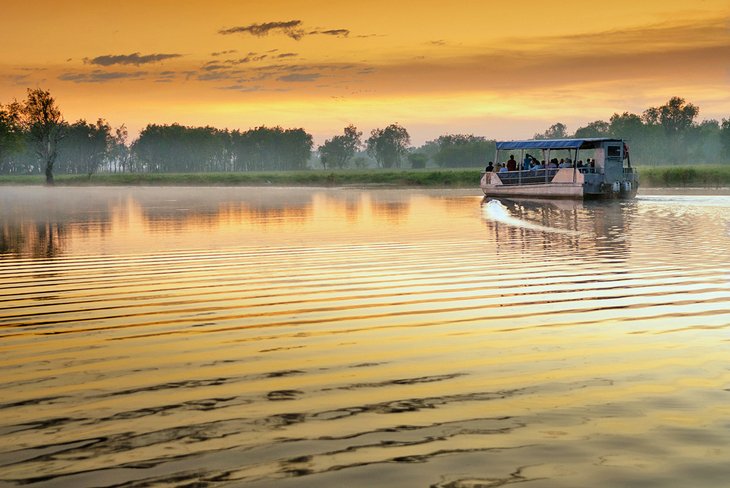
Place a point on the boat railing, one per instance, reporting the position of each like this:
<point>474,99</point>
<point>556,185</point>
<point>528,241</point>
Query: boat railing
<point>527,177</point>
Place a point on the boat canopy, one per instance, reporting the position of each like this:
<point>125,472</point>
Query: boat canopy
<point>586,143</point>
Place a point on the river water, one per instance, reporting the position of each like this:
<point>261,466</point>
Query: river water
<point>347,337</point>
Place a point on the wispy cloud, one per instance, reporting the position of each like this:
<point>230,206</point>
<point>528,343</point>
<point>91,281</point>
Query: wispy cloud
<point>332,32</point>
<point>291,28</point>
<point>221,53</point>
<point>135,59</point>
<point>98,76</point>
<point>299,77</point>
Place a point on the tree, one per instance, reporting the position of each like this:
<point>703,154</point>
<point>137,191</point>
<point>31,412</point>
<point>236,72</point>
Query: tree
<point>463,150</point>
<point>417,160</point>
<point>625,126</point>
<point>676,118</point>
<point>85,147</point>
<point>597,128</point>
<point>119,152</point>
<point>11,132</point>
<point>336,152</point>
<point>704,142</point>
<point>43,120</point>
<point>555,131</point>
<point>389,145</point>
<point>725,137</point>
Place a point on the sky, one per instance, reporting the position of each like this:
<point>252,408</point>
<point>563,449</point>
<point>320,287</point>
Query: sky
<point>498,69</point>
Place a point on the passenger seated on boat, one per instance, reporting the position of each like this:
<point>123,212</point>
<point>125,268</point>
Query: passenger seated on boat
<point>503,168</point>
<point>527,162</point>
<point>553,163</point>
<point>511,163</point>
<point>490,167</point>
<point>580,163</point>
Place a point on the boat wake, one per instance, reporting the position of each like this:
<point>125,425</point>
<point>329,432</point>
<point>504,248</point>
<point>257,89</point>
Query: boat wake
<point>495,211</point>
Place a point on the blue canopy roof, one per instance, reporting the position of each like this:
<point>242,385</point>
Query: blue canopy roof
<point>587,143</point>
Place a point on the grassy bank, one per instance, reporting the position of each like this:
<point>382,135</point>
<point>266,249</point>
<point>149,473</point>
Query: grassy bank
<point>704,176</point>
<point>420,178</point>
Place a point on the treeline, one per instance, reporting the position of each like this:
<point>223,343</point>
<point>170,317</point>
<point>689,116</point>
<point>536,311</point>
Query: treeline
<point>34,138</point>
<point>178,149</point>
<point>667,134</point>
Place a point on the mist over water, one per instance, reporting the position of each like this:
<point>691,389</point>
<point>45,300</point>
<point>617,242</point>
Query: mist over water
<point>346,337</point>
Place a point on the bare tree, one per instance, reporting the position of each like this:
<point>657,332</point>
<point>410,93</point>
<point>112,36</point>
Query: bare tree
<point>44,123</point>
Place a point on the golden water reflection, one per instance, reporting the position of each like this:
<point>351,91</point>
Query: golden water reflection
<point>330,337</point>
<point>41,222</point>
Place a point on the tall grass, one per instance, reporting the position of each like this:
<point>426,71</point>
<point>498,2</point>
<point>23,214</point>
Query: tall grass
<point>702,176</point>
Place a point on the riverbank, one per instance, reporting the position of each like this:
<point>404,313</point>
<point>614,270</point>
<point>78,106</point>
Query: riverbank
<point>702,176</point>
<point>407,178</point>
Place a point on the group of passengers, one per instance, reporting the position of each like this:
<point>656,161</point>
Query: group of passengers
<point>530,163</point>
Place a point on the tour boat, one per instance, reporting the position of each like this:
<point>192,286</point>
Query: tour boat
<point>606,173</point>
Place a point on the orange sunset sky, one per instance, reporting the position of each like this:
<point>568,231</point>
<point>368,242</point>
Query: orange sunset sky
<point>500,69</point>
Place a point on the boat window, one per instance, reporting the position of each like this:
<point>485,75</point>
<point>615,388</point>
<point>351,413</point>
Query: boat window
<point>613,151</point>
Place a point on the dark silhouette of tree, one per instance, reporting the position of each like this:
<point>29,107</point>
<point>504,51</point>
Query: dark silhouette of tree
<point>11,133</point>
<point>119,152</point>
<point>271,148</point>
<point>43,121</point>
<point>555,131</point>
<point>176,148</point>
<point>674,118</point>
<point>85,147</point>
<point>336,152</point>
<point>625,125</point>
<point>460,151</point>
<point>597,128</point>
<point>704,142</point>
<point>725,138</point>
<point>418,160</point>
<point>389,145</point>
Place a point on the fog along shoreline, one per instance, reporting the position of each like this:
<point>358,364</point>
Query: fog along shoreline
<point>709,177</point>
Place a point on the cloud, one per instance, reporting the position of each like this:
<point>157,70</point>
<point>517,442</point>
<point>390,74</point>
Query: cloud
<point>98,76</point>
<point>135,59</point>
<point>299,77</point>
<point>291,28</point>
<point>221,53</point>
<point>250,58</point>
<point>243,88</point>
<point>332,32</point>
